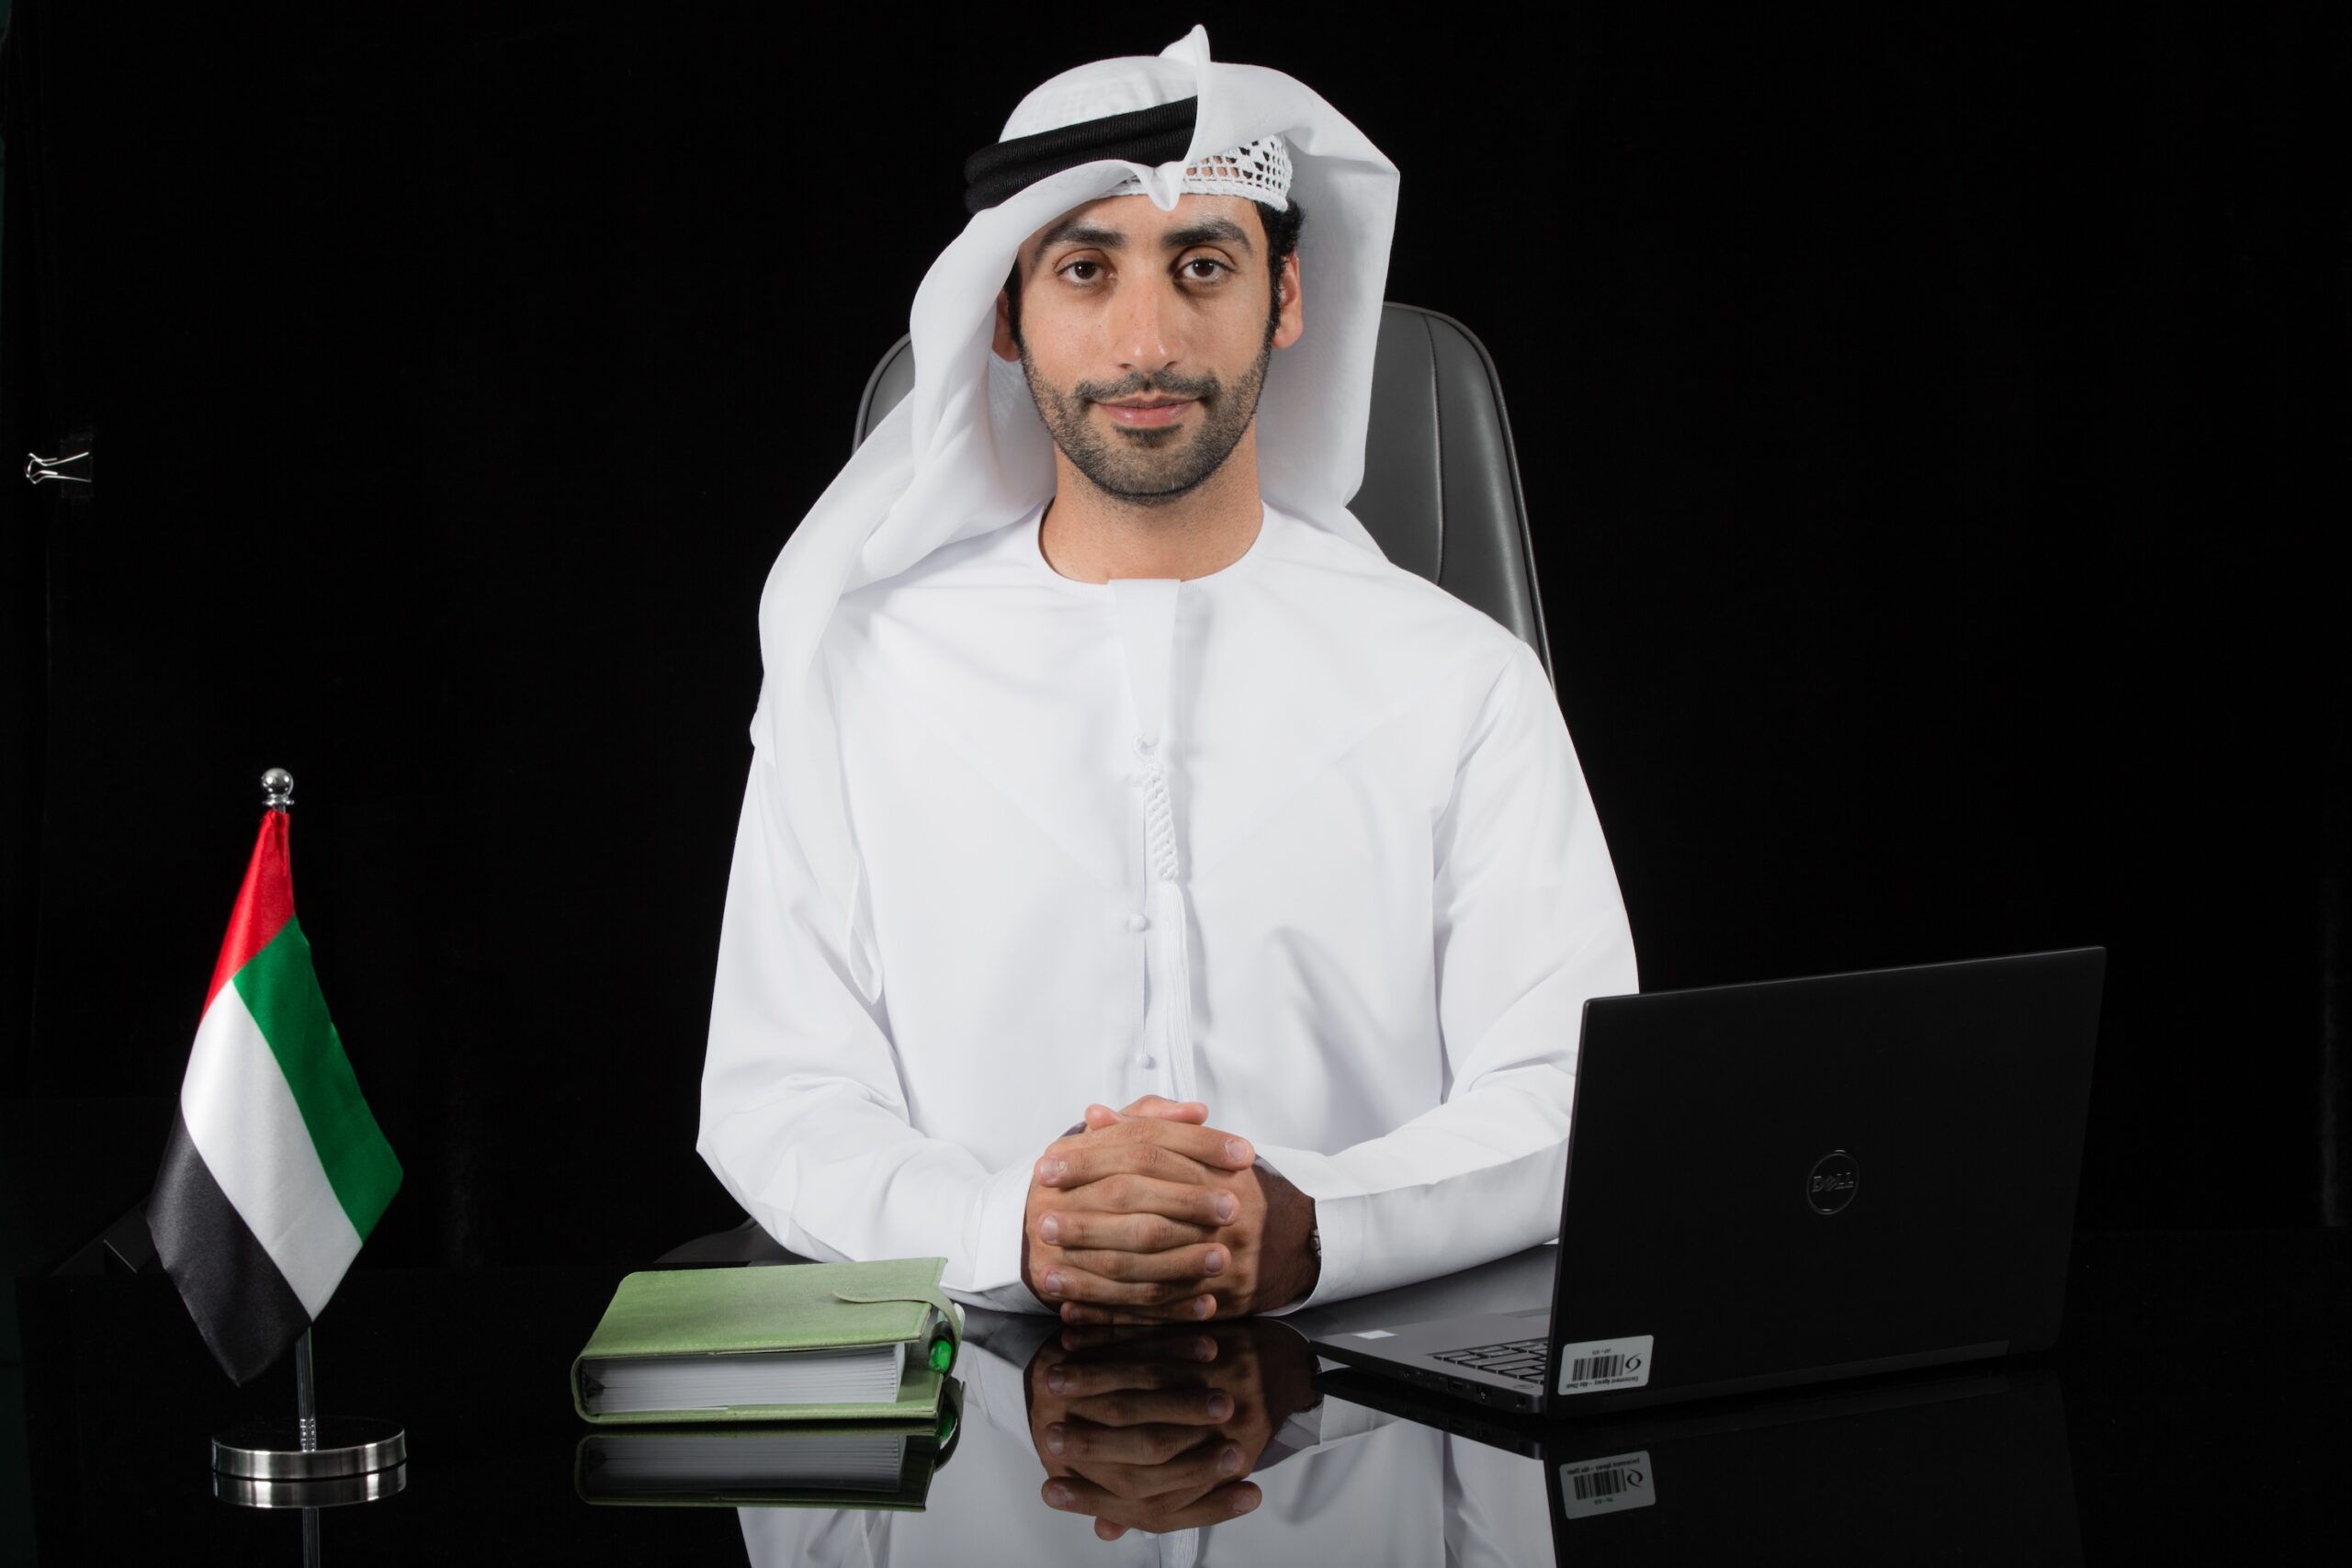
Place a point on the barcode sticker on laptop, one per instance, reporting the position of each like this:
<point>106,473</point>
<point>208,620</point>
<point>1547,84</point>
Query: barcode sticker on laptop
<point>1607,1486</point>
<point>1604,1363</point>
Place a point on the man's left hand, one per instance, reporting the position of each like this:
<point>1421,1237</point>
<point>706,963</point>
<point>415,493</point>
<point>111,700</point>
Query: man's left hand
<point>1271,1263</point>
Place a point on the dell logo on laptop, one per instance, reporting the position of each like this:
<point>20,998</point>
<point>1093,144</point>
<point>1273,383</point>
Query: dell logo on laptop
<point>1831,1186</point>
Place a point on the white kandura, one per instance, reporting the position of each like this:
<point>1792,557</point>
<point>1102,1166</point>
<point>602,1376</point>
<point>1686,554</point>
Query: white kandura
<point>1375,899</point>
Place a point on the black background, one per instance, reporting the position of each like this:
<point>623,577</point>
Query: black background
<point>1932,435</point>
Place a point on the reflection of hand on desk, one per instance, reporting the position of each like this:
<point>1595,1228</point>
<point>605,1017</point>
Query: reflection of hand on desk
<point>1155,1430</point>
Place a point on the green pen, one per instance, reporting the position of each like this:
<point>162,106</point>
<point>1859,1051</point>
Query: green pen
<point>943,1340</point>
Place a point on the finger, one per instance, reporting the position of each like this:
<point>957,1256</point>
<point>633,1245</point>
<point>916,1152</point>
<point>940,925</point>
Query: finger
<point>1173,1151</point>
<point>1119,1231</point>
<point>1075,1162</point>
<point>1174,1481</point>
<point>1076,1314</point>
<point>1197,1408</point>
<point>1193,1111</point>
<point>1209,1146</point>
<point>1128,1192</point>
<point>1080,1495</point>
<point>1081,1442</point>
<point>1200,1263</point>
<point>1195,1310</point>
<point>1143,1349</point>
<point>1066,1282</point>
<point>1085,1380</point>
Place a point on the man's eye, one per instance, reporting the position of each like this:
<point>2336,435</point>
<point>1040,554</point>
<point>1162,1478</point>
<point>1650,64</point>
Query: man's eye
<point>1215,267</point>
<point>1081,271</point>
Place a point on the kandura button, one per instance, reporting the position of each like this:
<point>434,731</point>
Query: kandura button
<point>1146,1059</point>
<point>1138,923</point>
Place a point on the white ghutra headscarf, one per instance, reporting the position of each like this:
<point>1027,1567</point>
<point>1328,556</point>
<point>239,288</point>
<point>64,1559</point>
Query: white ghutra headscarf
<point>966,452</point>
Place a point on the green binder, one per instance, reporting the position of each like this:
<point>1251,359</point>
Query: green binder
<point>791,1342</point>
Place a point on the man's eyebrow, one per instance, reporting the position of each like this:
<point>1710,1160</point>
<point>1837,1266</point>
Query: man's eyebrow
<point>1206,231</point>
<point>1078,230</point>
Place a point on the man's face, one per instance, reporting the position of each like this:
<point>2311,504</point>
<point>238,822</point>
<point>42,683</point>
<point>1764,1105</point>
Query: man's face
<point>1146,336</point>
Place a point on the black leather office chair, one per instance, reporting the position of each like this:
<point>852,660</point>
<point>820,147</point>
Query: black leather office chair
<point>1441,496</point>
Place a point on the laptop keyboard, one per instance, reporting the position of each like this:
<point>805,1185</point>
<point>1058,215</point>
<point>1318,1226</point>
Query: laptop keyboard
<point>1523,1358</point>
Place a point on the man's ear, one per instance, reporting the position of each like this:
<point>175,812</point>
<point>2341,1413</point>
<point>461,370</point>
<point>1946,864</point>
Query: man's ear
<point>1006,349</point>
<point>1290,322</point>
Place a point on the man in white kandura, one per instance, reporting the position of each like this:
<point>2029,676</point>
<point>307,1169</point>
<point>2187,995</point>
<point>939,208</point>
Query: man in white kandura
<point>1101,757</point>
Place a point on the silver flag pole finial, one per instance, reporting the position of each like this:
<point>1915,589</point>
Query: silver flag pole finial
<point>278,789</point>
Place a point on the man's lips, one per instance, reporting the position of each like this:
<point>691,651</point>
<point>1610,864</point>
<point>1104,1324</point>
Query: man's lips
<point>1143,416</point>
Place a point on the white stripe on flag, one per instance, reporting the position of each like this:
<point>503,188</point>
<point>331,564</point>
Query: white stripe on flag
<point>244,1120</point>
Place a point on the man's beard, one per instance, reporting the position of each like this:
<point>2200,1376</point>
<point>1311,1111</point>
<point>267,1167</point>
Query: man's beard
<point>1151,466</point>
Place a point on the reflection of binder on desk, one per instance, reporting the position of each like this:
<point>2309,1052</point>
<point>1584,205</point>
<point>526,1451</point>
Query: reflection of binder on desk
<point>797,1342</point>
<point>830,1464</point>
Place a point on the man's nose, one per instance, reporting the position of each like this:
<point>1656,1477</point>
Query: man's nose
<point>1147,326</point>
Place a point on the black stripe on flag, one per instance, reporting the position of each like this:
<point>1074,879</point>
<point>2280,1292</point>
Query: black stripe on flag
<point>242,1305</point>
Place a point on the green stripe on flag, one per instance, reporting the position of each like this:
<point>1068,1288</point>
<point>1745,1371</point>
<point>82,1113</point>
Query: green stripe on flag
<point>282,993</point>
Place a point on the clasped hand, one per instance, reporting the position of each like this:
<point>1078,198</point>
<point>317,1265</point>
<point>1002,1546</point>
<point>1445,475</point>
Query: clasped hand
<point>1149,1214</point>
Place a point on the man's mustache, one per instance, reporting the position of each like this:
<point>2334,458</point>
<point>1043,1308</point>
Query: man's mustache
<point>1203,389</point>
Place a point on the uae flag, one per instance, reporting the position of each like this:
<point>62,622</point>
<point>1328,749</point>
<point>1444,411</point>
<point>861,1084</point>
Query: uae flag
<point>276,1170</point>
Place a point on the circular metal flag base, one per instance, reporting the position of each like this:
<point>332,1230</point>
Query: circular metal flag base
<point>330,1492</point>
<point>273,1451</point>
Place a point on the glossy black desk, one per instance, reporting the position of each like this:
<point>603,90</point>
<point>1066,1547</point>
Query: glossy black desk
<point>2195,1409</point>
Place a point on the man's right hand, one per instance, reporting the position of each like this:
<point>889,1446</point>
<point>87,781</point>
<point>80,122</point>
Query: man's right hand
<point>1133,1215</point>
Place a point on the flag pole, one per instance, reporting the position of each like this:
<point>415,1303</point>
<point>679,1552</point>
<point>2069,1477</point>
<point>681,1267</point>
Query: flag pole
<point>306,1394</point>
<point>277,795</point>
<point>306,1420</point>
<point>307,1463</point>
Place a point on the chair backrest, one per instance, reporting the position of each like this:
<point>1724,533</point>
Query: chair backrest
<point>1441,491</point>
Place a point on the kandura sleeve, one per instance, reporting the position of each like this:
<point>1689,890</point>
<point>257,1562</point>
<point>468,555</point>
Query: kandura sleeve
<point>804,1119</point>
<point>1528,923</point>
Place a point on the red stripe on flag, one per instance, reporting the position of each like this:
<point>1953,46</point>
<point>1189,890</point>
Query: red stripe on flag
<point>264,905</point>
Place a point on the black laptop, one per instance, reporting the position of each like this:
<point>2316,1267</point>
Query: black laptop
<point>1781,1183</point>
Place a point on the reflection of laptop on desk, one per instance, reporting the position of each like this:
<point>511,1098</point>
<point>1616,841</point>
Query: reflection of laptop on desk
<point>1951,1464</point>
<point>1781,1183</point>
